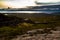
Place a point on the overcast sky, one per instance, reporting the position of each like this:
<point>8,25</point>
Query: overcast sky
<point>34,0</point>
<point>21,3</point>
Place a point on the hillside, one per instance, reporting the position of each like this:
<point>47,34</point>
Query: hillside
<point>12,25</point>
<point>27,15</point>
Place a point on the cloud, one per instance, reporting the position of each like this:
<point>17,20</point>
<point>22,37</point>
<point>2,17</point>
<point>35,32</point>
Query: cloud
<point>12,0</point>
<point>48,0</point>
<point>18,3</point>
<point>6,0</point>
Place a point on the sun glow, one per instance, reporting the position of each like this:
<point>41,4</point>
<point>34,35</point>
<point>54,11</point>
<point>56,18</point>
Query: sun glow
<point>3,5</point>
<point>19,3</point>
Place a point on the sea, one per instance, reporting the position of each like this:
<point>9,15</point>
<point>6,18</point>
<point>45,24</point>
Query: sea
<point>29,12</point>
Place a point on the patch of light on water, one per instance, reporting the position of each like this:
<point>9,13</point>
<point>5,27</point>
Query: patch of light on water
<point>30,12</point>
<point>19,12</point>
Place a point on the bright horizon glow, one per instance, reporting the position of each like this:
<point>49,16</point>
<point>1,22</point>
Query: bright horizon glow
<point>18,3</point>
<point>21,3</point>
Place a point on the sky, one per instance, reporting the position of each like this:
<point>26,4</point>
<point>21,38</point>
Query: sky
<point>21,3</point>
<point>49,0</point>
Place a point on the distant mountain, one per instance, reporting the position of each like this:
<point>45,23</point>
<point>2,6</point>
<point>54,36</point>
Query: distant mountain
<point>47,6</point>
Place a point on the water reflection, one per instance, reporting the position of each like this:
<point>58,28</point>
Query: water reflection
<point>28,11</point>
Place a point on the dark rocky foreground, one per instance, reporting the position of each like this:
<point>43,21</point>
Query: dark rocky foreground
<point>12,20</point>
<point>37,34</point>
<point>54,35</point>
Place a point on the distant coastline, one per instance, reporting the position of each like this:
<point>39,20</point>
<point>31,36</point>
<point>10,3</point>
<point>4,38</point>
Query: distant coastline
<point>33,9</point>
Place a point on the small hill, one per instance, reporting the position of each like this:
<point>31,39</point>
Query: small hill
<point>9,20</point>
<point>28,15</point>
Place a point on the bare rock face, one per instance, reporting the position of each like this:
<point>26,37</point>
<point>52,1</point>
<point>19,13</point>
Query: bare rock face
<point>58,28</point>
<point>54,36</point>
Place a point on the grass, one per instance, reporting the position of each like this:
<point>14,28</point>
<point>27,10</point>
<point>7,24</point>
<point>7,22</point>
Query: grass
<point>8,32</point>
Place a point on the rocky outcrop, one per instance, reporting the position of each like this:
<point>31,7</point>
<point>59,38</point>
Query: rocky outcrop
<point>12,20</point>
<point>9,20</point>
